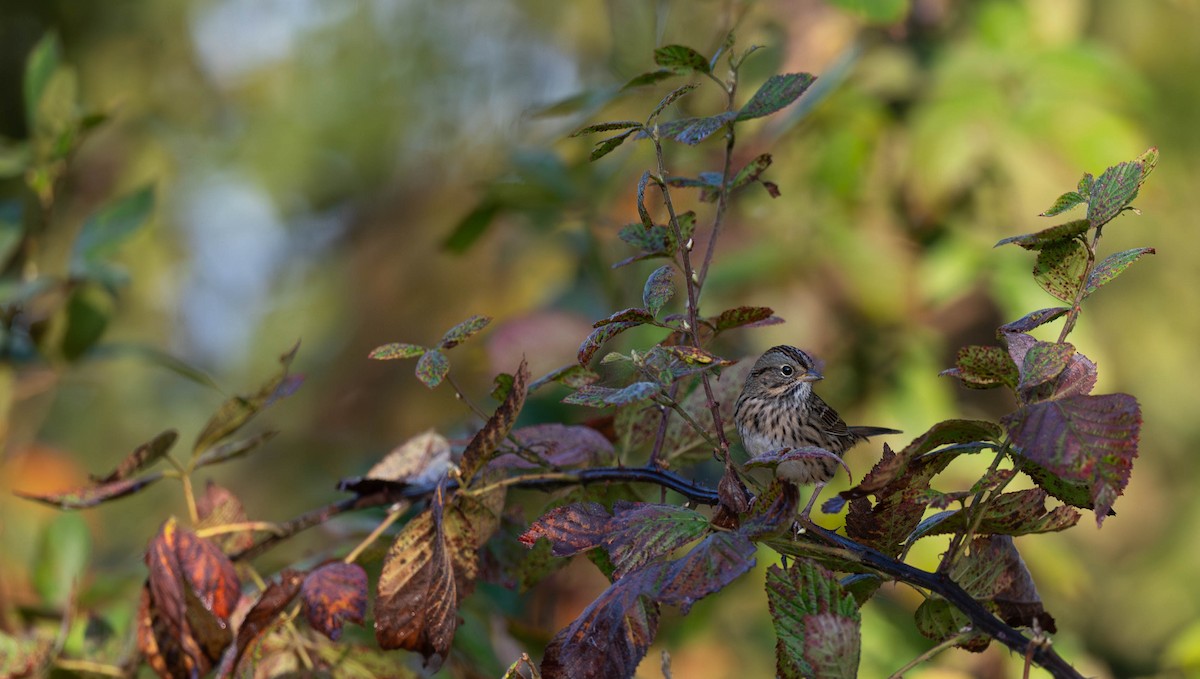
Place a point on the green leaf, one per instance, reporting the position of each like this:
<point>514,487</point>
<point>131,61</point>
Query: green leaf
<point>659,289</point>
<point>680,59</point>
<point>1091,440</point>
<point>606,146</point>
<point>984,367</point>
<point>11,233</point>
<point>432,368</point>
<point>692,131</point>
<point>43,61</point>
<point>502,386</point>
<point>142,457</point>
<point>606,127</point>
<point>672,96</point>
<point>938,620</point>
<point>62,559</point>
<point>816,623</point>
<point>463,331</point>
<point>1044,361</point>
<point>234,449</point>
<point>640,534</point>
<point>1059,269</point>
<point>235,412</point>
<point>648,79</point>
<point>573,375</point>
<point>643,213</point>
<point>877,11</point>
<point>775,94</point>
<point>396,350</point>
<point>601,397</point>
<point>593,342</point>
<point>751,172</point>
<point>1051,236</point>
<point>1114,190</point>
<point>108,228</point>
<point>744,317</point>
<point>1113,266</point>
<point>472,226</point>
<point>1064,202</point>
<point>633,314</point>
<point>88,312</point>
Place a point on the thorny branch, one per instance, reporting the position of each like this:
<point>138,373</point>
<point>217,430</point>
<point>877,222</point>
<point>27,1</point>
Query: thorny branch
<point>373,493</point>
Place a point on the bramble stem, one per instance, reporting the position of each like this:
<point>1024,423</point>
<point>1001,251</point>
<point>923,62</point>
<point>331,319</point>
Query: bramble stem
<point>1073,314</point>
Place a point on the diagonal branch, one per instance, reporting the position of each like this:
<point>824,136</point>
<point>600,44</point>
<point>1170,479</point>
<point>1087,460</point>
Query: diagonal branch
<point>375,493</point>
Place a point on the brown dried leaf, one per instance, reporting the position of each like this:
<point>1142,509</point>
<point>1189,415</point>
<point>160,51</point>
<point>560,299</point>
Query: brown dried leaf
<point>264,615</point>
<point>571,528</point>
<point>333,594</point>
<point>484,444</point>
<point>423,459</point>
<point>416,601</point>
<point>218,506</point>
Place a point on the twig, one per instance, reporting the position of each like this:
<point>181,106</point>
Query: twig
<point>1073,314</point>
<point>899,674</point>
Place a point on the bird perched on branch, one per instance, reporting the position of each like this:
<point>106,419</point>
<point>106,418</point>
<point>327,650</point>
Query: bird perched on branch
<point>778,410</point>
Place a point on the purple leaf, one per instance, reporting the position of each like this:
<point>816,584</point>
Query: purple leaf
<point>1082,439</point>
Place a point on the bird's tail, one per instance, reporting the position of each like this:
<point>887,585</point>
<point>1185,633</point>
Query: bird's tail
<point>866,432</point>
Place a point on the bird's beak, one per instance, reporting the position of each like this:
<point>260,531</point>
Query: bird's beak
<point>812,376</point>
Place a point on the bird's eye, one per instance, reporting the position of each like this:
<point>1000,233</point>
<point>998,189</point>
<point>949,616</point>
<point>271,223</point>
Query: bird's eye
<point>787,370</point>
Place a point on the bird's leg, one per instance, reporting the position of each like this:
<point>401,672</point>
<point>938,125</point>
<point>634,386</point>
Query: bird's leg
<point>804,515</point>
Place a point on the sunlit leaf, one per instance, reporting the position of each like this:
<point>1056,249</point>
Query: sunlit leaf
<point>218,506</point>
<point>1063,203</point>
<point>235,412</point>
<point>570,529</point>
<point>816,623</point>
<point>1114,189</point>
<point>1060,267</point>
<point>1082,439</point>
<point>486,442</point>
<point>1019,513</point>
<point>432,368</point>
<point>1051,236</point>
<point>693,356</point>
<point>1112,266</point>
<point>659,288</point>
<point>680,59</point>
<point>142,457</point>
<point>333,595</point>
<point>775,94</point>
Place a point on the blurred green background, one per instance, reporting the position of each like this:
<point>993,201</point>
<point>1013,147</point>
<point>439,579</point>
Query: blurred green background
<point>311,159</point>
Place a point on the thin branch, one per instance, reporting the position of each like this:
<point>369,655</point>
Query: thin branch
<point>376,493</point>
<point>899,674</point>
<point>1076,305</point>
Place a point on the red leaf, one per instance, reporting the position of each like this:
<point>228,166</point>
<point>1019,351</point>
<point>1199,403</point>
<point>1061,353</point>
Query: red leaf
<point>571,528</point>
<point>333,594</point>
<point>264,615</point>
